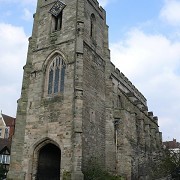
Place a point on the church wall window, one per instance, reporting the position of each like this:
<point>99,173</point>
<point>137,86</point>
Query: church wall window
<point>57,13</point>
<point>62,78</point>
<point>56,81</point>
<point>93,27</point>
<point>50,84</point>
<point>57,22</point>
<point>119,103</point>
<point>56,73</point>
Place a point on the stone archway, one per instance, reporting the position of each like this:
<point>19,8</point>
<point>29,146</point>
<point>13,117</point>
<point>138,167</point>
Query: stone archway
<point>48,165</point>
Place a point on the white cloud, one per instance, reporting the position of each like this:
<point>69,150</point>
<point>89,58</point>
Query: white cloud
<point>27,15</point>
<point>152,63</point>
<point>103,3</point>
<point>32,2</point>
<point>140,51</point>
<point>29,1</point>
<point>13,50</point>
<point>170,128</point>
<point>170,12</point>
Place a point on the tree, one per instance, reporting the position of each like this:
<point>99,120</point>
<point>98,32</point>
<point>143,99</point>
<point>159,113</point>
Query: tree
<point>169,164</point>
<point>3,172</point>
<point>95,172</point>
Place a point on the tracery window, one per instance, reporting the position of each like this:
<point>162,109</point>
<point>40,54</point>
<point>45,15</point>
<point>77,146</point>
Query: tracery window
<point>56,74</point>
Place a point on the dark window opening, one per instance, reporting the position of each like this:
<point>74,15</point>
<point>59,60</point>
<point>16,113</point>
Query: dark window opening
<point>57,22</point>
<point>93,26</point>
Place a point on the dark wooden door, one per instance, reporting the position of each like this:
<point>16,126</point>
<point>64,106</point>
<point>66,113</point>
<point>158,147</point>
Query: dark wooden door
<point>49,163</point>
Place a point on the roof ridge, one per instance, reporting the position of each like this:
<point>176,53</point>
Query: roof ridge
<point>7,116</point>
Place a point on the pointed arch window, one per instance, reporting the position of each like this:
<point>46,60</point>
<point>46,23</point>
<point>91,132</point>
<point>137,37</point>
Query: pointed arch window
<point>56,73</point>
<point>93,27</point>
<point>56,81</point>
<point>50,81</point>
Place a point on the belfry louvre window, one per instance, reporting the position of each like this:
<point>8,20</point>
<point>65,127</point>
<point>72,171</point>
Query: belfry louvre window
<point>57,12</point>
<point>57,22</point>
<point>56,75</point>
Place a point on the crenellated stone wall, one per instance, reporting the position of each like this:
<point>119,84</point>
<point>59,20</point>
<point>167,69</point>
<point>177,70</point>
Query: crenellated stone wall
<point>139,140</point>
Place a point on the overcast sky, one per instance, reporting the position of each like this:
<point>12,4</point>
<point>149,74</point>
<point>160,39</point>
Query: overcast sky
<point>145,45</point>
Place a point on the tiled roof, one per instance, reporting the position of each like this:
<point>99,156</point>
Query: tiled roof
<point>10,121</point>
<point>5,143</point>
<point>172,144</point>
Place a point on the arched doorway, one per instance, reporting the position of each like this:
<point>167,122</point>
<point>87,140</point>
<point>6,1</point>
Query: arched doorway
<point>49,163</point>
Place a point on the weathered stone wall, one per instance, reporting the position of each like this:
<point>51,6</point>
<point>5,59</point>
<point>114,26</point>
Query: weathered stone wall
<point>93,109</point>
<point>138,137</point>
<point>99,115</point>
<point>41,117</point>
<point>94,85</point>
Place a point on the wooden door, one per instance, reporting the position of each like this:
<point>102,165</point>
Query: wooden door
<point>49,163</point>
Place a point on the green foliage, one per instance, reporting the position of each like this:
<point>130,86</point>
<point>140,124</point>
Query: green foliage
<point>2,172</point>
<point>66,175</point>
<point>95,172</point>
<point>168,165</point>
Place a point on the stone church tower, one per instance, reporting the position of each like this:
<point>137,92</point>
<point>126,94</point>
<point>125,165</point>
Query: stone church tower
<point>75,106</point>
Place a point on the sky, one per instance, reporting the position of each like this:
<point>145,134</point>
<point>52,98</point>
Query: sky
<point>144,38</point>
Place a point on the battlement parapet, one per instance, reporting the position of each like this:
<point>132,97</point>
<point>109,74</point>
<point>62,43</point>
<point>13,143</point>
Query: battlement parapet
<point>150,114</point>
<point>131,96</point>
<point>98,8</point>
<point>160,134</point>
<point>136,97</point>
<point>126,85</point>
<point>138,104</point>
<point>155,118</point>
<point>145,109</point>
